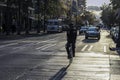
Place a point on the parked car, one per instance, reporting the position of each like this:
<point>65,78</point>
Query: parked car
<point>115,34</point>
<point>83,29</point>
<point>92,32</point>
<point>112,31</point>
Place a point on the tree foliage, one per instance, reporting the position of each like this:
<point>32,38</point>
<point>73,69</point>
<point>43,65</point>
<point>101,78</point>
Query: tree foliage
<point>115,3</point>
<point>50,8</point>
<point>108,16</point>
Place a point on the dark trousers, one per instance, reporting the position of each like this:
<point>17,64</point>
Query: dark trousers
<point>73,49</point>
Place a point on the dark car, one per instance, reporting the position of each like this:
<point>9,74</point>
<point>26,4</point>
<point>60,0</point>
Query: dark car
<point>112,31</point>
<point>115,34</point>
<point>83,29</point>
<point>92,32</point>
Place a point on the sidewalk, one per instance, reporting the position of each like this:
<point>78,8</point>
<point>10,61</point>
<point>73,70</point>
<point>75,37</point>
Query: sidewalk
<point>23,35</point>
<point>85,66</point>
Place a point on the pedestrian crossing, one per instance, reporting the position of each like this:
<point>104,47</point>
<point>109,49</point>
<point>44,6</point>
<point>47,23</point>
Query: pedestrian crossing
<point>44,47</point>
<point>90,48</point>
<point>103,48</point>
<point>83,49</point>
<point>55,46</point>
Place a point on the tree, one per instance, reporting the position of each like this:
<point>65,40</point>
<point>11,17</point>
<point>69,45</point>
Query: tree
<point>108,16</point>
<point>88,17</point>
<point>115,4</point>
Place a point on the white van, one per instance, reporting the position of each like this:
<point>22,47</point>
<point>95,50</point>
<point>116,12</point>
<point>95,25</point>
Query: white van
<point>54,25</point>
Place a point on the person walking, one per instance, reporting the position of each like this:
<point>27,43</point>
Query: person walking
<point>71,34</point>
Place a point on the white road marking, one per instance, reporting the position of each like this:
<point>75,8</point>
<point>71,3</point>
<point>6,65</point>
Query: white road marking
<point>19,76</point>
<point>38,42</point>
<point>8,45</point>
<point>90,48</point>
<point>48,46</point>
<point>83,49</point>
<point>23,46</point>
<point>43,46</point>
<point>105,49</point>
<point>19,47</point>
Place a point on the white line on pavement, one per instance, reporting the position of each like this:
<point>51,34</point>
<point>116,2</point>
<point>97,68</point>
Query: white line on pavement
<point>48,46</point>
<point>83,49</point>
<point>8,45</point>
<point>23,46</point>
<point>90,48</point>
<point>105,49</point>
<point>43,46</point>
<point>38,42</point>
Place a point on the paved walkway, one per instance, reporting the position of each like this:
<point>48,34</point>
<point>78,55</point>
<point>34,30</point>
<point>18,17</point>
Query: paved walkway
<point>85,66</point>
<point>23,35</point>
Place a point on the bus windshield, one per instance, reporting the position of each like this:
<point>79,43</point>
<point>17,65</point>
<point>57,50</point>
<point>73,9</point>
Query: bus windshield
<point>53,23</point>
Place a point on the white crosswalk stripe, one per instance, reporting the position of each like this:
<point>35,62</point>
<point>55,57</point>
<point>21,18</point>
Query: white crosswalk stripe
<point>43,46</point>
<point>83,49</point>
<point>11,44</point>
<point>48,46</point>
<point>90,48</point>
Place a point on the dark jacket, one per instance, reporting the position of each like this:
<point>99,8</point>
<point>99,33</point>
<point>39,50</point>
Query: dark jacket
<point>71,34</point>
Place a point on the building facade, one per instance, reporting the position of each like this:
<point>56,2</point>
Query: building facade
<point>20,11</point>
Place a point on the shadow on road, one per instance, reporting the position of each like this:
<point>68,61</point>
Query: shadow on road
<point>108,36</point>
<point>112,47</point>
<point>91,40</point>
<point>60,74</point>
<point>118,51</point>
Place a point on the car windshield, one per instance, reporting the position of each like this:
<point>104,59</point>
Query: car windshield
<point>53,23</point>
<point>92,29</point>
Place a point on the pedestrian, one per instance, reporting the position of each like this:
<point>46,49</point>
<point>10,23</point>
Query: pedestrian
<point>71,34</point>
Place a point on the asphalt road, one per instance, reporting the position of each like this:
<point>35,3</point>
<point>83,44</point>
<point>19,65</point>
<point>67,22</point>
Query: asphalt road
<point>44,58</point>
